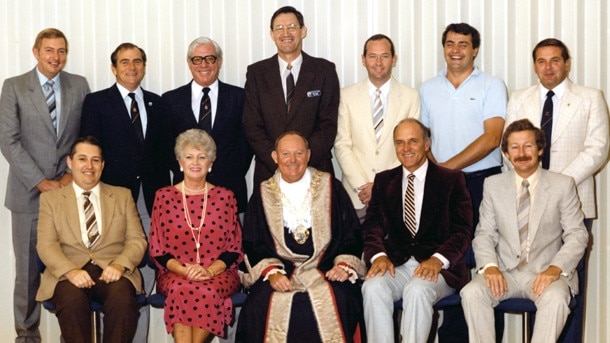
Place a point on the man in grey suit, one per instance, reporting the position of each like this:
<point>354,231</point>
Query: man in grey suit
<point>528,242</point>
<point>39,120</point>
<point>578,134</point>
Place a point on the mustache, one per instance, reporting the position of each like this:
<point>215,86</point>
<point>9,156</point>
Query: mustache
<point>523,158</point>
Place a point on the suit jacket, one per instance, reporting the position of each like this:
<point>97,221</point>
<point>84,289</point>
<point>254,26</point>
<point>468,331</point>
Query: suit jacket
<point>61,247</point>
<point>445,222</point>
<point>313,112</point>
<point>558,235</point>
<point>28,140</point>
<point>356,148</point>
<point>233,153</point>
<point>127,162</point>
<point>579,146</point>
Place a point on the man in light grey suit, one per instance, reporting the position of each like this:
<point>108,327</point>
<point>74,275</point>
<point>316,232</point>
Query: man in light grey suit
<point>364,144</point>
<point>579,137</point>
<point>39,120</point>
<point>528,242</point>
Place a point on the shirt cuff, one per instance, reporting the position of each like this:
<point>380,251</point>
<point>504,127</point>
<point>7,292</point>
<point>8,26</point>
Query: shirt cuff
<point>377,255</point>
<point>443,260</point>
<point>484,268</point>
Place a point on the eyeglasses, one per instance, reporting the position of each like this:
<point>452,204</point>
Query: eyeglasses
<point>209,59</point>
<point>292,28</point>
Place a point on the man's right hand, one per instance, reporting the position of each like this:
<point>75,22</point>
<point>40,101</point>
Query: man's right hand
<point>80,278</point>
<point>380,265</point>
<point>494,279</point>
<point>48,185</point>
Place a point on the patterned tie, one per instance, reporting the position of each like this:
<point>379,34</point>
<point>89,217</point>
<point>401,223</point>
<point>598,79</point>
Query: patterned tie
<point>289,88</point>
<point>50,98</point>
<point>523,212</point>
<point>546,124</point>
<point>409,206</point>
<point>378,114</point>
<point>90,221</point>
<point>205,111</point>
<point>136,121</point>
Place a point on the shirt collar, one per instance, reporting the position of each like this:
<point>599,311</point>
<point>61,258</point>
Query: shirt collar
<point>532,179</point>
<point>125,93</point>
<point>79,191</point>
<point>43,79</point>
<point>296,63</point>
<point>196,89</point>
<point>558,90</point>
<point>385,88</point>
<point>420,173</point>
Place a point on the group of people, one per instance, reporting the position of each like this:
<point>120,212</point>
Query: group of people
<point>93,184</point>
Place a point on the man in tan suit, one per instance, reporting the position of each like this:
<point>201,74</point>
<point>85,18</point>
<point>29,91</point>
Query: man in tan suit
<point>364,144</point>
<point>578,135</point>
<point>528,242</point>
<point>91,241</point>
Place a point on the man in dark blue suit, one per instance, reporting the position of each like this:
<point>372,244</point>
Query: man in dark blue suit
<point>291,90</point>
<point>216,107</point>
<point>418,226</point>
<point>131,123</point>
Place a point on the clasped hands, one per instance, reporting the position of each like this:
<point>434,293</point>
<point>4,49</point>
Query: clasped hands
<point>280,282</point>
<point>495,281</point>
<point>427,269</point>
<point>81,279</point>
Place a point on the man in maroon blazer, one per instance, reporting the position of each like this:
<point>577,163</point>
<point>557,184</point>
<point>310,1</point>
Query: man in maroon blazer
<point>417,228</point>
<point>290,91</point>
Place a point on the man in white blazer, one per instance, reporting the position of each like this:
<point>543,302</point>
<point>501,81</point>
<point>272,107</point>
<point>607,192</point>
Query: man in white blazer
<point>579,137</point>
<point>361,150</point>
<point>529,240</point>
<point>36,131</point>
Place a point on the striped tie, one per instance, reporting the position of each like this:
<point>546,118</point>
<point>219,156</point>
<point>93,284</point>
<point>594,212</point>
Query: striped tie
<point>409,206</point>
<point>523,212</point>
<point>90,221</point>
<point>50,98</point>
<point>378,114</point>
<point>289,88</point>
<point>205,111</point>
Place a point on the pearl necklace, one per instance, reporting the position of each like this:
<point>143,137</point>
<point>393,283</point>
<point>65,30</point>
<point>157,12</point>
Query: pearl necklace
<point>188,217</point>
<point>205,187</point>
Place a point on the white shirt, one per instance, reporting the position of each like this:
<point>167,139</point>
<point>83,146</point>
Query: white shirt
<point>94,197</point>
<point>141,104</point>
<point>197,96</point>
<point>559,90</point>
<point>296,69</point>
<point>385,92</point>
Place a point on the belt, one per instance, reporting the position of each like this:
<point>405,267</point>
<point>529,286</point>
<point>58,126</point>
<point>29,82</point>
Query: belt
<point>483,173</point>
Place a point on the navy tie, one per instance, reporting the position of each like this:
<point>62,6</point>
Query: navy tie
<point>546,124</point>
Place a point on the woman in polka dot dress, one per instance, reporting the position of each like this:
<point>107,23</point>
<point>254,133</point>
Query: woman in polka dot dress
<point>195,241</point>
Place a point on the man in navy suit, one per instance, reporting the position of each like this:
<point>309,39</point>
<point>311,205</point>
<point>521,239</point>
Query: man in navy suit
<point>418,226</point>
<point>188,108</point>
<point>131,123</point>
<point>273,106</point>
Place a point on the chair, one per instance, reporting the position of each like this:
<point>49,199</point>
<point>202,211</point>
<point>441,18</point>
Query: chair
<point>95,306</point>
<point>157,300</point>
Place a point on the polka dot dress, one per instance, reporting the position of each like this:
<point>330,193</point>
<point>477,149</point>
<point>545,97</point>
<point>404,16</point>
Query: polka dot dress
<point>202,304</point>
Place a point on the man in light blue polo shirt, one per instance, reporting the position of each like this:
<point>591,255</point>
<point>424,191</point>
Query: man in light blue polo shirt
<point>465,110</point>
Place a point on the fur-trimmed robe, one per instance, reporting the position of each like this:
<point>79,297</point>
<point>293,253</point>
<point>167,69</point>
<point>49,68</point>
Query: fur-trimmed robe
<point>318,310</point>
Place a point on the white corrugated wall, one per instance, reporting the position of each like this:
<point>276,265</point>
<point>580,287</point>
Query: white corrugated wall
<point>336,31</point>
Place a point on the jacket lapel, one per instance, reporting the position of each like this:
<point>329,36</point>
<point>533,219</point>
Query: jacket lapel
<point>107,202</point>
<point>38,100</point>
<point>568,107</point>
<point>273,82</point>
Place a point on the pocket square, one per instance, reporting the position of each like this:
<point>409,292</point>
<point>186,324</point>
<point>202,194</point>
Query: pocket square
<point>311,94</point>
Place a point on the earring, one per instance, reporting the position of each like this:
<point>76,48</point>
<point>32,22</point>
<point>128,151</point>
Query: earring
<point>181,169</point>
<point>210,170</point>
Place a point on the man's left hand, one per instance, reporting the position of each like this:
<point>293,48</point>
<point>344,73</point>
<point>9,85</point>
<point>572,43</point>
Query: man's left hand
<point>429,269</point>
<point>112,273</point>
<point>544,279</point>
